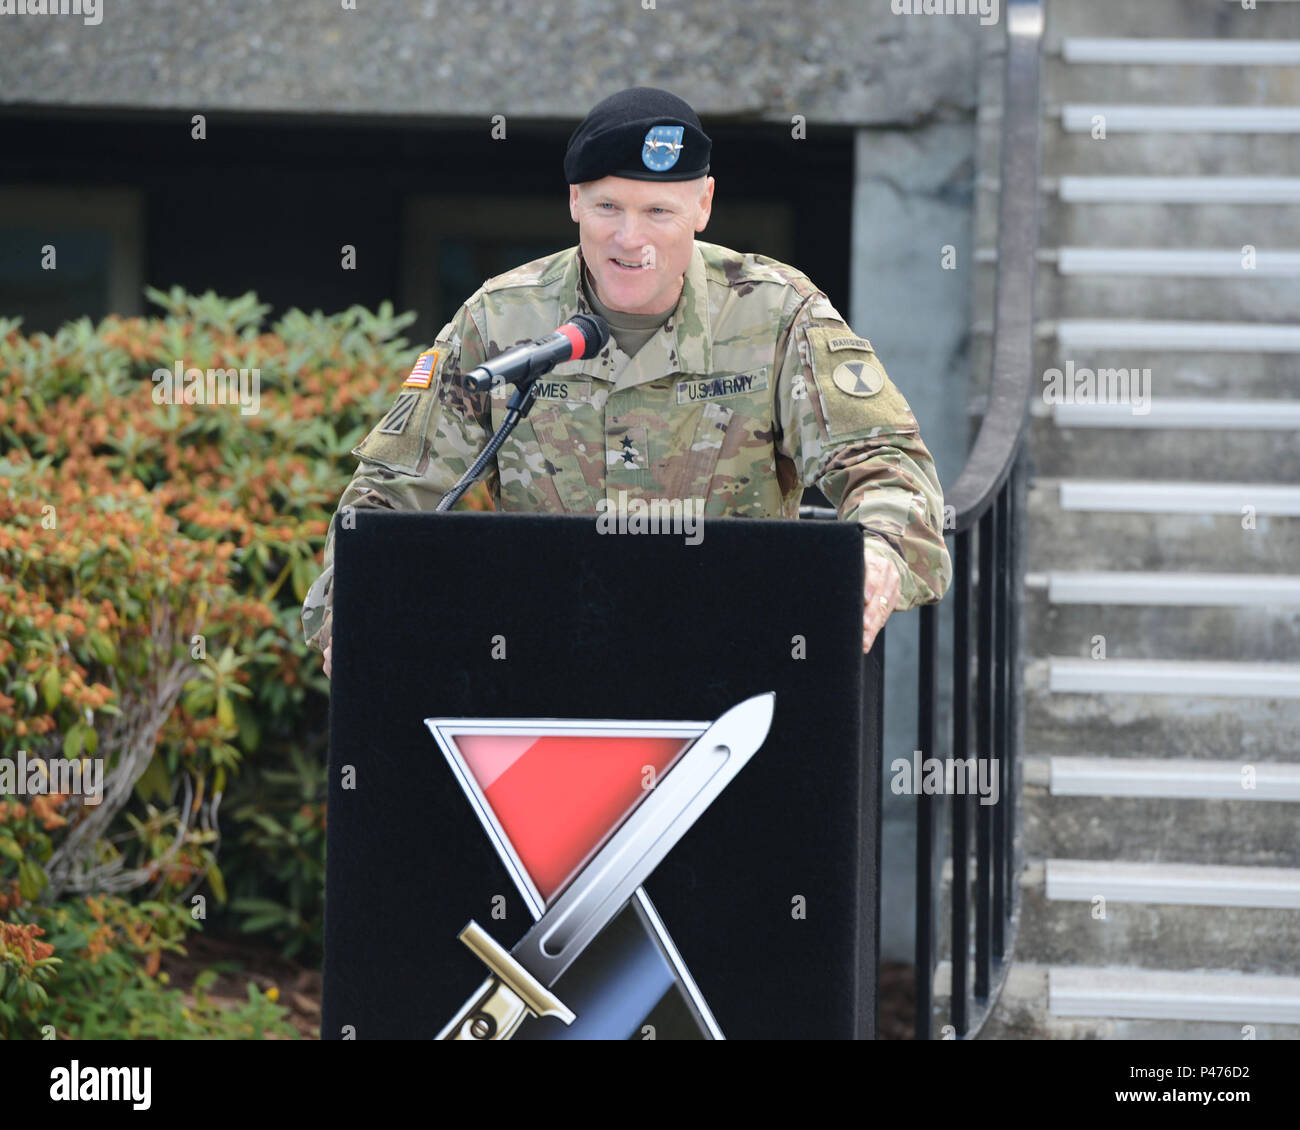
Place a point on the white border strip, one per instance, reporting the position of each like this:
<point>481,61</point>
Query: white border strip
<point>1133,496</point>
<point>1181,412</point>
<point>1183,589</point>
<point>1182,779</point>
<point>1149,994</point>
<point>1230,678</point>
<point>1179,264</point>
<point>1179,190</point>
<point>1184,884</point>
<point>1215,52</point>
<point>1078,118</point>
<point>1191,337</point>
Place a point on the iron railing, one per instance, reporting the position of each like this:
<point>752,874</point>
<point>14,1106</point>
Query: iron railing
<point>983,513</point>
<point>986,505</point>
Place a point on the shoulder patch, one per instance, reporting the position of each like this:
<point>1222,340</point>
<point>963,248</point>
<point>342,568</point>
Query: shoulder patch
<point>857,396</point>
<point>422,374</point>
<point>397,441</point>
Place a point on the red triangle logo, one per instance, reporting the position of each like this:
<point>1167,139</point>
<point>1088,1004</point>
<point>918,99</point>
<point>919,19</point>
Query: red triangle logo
<point>557,797</point>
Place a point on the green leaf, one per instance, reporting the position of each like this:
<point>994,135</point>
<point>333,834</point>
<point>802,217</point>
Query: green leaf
<point>260,922</point>
<point>102,647</point>
<point>74,741</point>
<point>31,880</point>
<point>225,711</point>
<point>154,781</point>
<point>51,688</point>
<point>11,849</point>
<point>217,882</point>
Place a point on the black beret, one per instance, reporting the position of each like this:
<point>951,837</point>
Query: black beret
<point>642,133</point>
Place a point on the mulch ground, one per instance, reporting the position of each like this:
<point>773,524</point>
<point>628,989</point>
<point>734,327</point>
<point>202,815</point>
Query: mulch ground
<point>240,961</point>
<point>896,1003</point>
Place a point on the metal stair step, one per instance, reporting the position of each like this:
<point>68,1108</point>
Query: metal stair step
<point>1155,994</point>
<point>1168,829</point>
<point>1131,439</point>
<point>1252,298</point>
<point>1266,635</point>
<point>1174,374</point>
<point>1227,541</point>
<point>1141,83</point>
<point>1021,1013</point>
<point>1174,916</point>
<point>1158,18</point>
<point>1165,153</point>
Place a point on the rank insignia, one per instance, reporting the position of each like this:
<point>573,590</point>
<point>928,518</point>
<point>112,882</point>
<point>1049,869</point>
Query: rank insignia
<point>662,147</point>
<point>422,374</point>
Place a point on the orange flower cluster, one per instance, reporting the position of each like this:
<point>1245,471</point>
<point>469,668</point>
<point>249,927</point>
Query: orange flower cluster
<point>12,810</point>
<point>23,939</point>
<point>10,899</point>
<point>45,808</point>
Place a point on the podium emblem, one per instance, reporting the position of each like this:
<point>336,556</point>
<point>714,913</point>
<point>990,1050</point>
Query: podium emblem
<point>580,812</point>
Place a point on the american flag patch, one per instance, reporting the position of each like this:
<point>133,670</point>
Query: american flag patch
<point>422,374</point>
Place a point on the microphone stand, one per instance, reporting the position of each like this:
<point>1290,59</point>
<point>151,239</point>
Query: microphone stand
<point>520,405</point>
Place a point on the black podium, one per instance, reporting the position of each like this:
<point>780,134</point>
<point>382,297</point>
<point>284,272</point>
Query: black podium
<point>456,630</point>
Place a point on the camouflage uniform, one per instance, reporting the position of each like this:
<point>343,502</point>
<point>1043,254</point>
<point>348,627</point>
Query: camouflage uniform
<point>752,390</point>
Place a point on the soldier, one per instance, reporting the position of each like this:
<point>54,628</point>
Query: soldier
<point>729,378</point>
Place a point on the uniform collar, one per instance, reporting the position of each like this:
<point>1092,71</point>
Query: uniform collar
<point>683,345</point>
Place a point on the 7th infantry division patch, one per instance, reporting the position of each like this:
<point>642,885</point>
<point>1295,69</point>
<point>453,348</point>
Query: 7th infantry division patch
<point>859,378</point>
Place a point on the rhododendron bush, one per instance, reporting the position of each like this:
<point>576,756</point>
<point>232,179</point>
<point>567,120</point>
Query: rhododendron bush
<point>153,560</point>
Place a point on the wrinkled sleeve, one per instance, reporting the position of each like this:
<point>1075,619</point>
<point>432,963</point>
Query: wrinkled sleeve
<point>850,433</point>
<point>412,456</point>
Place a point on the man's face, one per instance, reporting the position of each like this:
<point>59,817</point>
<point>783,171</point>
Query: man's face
<point>637,237</point>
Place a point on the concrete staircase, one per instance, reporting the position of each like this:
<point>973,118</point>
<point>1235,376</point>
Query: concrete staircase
<point>1161,809</point>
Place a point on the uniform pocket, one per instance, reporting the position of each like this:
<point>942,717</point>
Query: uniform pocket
<point>703,452</point>
<point>565,461</point>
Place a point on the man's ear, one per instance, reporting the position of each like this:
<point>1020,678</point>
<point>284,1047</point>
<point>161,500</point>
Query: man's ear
<point>573,202</point>
<point>706,205</point>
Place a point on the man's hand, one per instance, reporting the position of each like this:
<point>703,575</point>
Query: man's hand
<point>327,660</point>
<point>880,595</point>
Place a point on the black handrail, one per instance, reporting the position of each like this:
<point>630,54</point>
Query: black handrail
<point>986,504</point>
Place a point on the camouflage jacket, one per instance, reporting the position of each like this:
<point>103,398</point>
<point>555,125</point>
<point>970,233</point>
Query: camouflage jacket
<point>753,389</point>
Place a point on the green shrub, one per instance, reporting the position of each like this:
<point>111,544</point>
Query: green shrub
<point>153,560</point>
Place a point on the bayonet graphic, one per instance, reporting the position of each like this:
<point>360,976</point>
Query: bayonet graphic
<point>520,982</point>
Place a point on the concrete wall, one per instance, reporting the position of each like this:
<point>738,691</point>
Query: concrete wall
<point>834,61</point>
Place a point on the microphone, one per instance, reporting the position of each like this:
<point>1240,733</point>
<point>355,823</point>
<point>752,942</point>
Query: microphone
<point>581,336</point>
